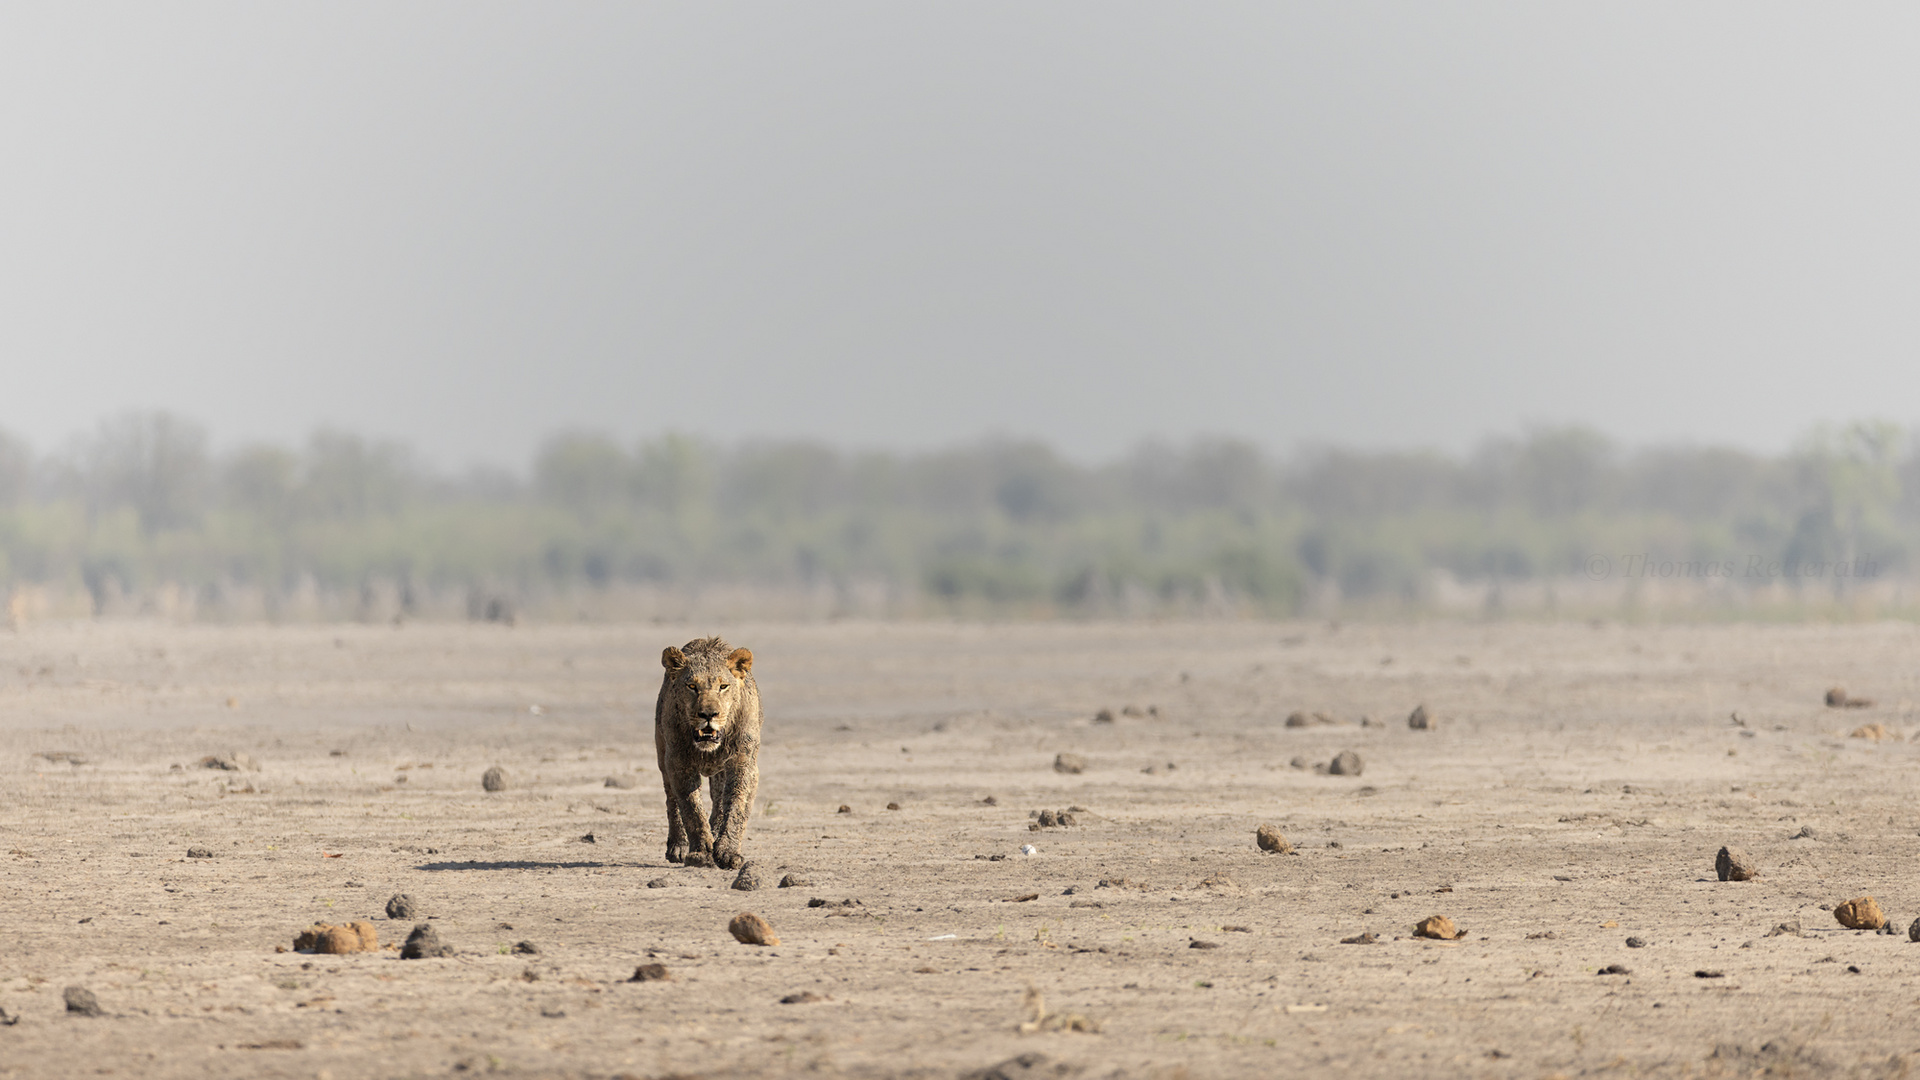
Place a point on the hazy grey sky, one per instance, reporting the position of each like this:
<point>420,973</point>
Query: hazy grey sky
<point>469,224</point>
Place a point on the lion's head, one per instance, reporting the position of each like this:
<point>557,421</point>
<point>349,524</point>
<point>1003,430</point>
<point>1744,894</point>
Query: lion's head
<point>710,682</point>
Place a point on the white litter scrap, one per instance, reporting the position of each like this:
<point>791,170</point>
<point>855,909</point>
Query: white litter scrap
<point>944,937</point>
<point>1029,849</point>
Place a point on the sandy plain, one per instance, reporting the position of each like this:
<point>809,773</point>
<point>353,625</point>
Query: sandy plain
<point>1578,783</point>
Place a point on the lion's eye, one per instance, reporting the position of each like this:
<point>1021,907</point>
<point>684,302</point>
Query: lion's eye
<point>723,686</point>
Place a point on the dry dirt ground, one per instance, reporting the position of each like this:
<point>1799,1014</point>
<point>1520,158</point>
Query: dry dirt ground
<point>1572,796</point>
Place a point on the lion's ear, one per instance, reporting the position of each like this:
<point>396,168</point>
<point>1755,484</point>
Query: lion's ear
<point>672,659</point>
<point>741,661</point>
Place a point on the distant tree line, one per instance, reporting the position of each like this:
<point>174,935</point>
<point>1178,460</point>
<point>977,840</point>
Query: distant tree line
<point>999,527</point>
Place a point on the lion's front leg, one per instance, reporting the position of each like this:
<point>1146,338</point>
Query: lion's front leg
<point>686,826</point>
<point>743,782</point>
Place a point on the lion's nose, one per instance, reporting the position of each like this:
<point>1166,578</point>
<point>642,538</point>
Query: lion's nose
<point>708,715</point>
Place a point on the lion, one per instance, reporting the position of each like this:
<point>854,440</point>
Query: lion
<point>707,723</point>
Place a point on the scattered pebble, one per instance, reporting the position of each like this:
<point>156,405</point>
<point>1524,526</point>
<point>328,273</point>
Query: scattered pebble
<point>588,839</point>
<point>621,782</point>
<point>1733,864</point>
<point>1638,943</point>
<point>1270,839</point>
<point>1791,929</point>
<point>893,806</point>
<point>199,853</point>
<point>80,1000</point>
<point>526,948</point>
<point>1345,763</point>
<point>234,762</point>
<point>844,809</point>
<point>424,944</point>
<point>1418,719</point>
<point>791,882</point>
<point>1297,763</point>
<point>1614,969</point>
<point>1104,716</point>
<point>658,883</point>
<point>1807,832</point>
<point>1438,927</point>
<point>494,779</point>
<point>1543,935</point>
<point>1196,943</point>
<point>989,801</point>
<point>747,880</point>
<point>1705,974</point>
<point>1069,763</point>
<point>750,929</point>
<point>651,973</point>
<point>1913,932</point>
<point>1367,938</point>
<point>1860,913</point>
<point>401,907</point>
<point>804,997</point>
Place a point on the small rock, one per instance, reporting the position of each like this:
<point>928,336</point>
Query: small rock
<point>1345,763</point>
<point>791,882</point>
<point>1614,969</point>
<point>234,762</point>
<point>1271,840</point>
<point>1733,864</point>
<point>1048,819</point>
<point>1876,732</point>
<point>1418,719</point>
<point>1637,943</point>
<point>1438,927</point>
<point>1704,974</point>
<point>747,880</point>
<point>1104,716</point>
<point>1297,763</point>
<point>526,948</point>
<point>494,779</point>
<point>621,782</point>
<point>80,1000</point>
<point>651,973</point>
<point>989,801</point>
<point>1196,943</point>
<point>1790,929</point>
<point>588,839</point>
<point>1807,832</point>
<point>1860,913</point>
<point>804,997</point>
<point>893,806</point>
<point>8,1019</point>
<point>1366,938</point>
<point>1069,763</point>
<point>401,907</point>
<point>199,853</point>
<point>658,883</point>
<point>424,944</point>
<point>1837,697</point>
<point>1297,719</point>
<point>844,809</point>
<point>750,929</point>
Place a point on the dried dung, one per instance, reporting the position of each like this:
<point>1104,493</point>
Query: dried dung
<point>1345,763</point>
<point>494,779</point>
<point>81,1001</point>
<point>1069,763</point>
<point>750,929</point>
<point>335,940</point>
<point>790,882</point>
<point>1270,839</point>
<point>400,906</point>
<point>424,944</point>
<point>1438,927</point>
<point>1733,864</point>
<point>747,880</point>
<point>1860,913</point>
<point>199,853</point>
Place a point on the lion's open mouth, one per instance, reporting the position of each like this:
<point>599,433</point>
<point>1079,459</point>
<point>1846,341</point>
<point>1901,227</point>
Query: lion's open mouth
<point>706,740</point>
